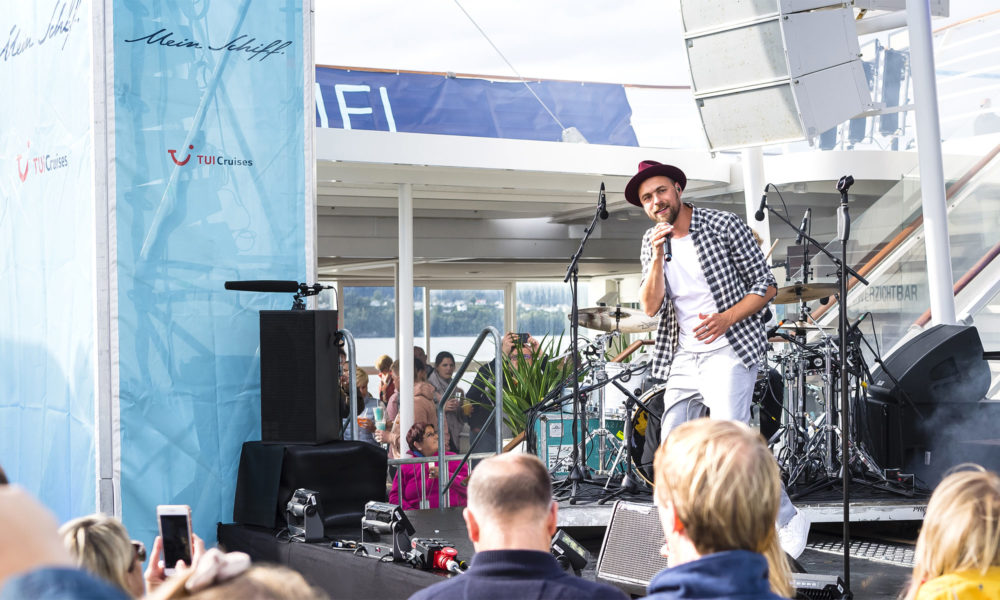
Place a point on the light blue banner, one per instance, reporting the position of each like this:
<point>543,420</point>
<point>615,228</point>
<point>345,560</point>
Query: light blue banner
<point>209,142</point>
<point>47,345</point>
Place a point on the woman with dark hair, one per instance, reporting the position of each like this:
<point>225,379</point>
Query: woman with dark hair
<point>444,369</point>
<point>420,480</point>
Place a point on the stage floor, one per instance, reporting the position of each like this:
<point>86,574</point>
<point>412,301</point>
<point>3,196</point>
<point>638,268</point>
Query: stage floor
<point>822,507</point>
<point>881,555</point>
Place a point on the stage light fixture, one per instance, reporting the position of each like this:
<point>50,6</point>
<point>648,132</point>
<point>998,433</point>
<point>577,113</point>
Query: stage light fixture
<point>304,516</point>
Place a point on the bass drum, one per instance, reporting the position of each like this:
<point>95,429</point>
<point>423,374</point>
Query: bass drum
<point>643,432</point>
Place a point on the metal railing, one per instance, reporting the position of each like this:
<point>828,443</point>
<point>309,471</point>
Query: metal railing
<point>496,417</point>
<point>352,365</point>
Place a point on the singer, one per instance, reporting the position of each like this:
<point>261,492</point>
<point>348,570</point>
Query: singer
<point>711,337</point>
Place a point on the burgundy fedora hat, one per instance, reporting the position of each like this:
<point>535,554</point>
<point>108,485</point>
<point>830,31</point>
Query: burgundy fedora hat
<point>651,168</point>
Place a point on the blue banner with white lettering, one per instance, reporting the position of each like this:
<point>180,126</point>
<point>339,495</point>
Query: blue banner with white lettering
<point>425,103</point>
<point>210,162</point>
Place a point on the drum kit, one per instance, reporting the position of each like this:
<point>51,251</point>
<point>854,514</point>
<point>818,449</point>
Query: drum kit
<point>804,436</point>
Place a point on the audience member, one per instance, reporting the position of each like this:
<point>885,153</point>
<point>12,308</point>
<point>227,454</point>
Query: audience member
<point>366,411</point>
<point>958,550</point>
<point>444,369</point>
<point>421,355</point>
<point>511,518</point>
<point>386,387</point>
<point>421,480</point>
<point>221,576</point>
<point>3,477</point>
<point>33,561</point>
<point>717,491</point>
<point>155,575</point>
<point>419,375</point>
<point>100,545</point>
<point>424,409</point>
<point>479,397</point>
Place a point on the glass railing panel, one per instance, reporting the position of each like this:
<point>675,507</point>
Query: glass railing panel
<point>987,321</point>
<point>898,293</point>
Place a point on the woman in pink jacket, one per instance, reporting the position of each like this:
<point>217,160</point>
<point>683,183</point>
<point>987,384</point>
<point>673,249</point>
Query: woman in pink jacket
<point>406,486</point>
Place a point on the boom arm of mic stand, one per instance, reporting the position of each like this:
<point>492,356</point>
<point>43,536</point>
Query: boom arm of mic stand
<point>819,246</point>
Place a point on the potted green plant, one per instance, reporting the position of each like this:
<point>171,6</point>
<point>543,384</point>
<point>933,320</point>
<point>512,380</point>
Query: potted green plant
<point>528,380</point>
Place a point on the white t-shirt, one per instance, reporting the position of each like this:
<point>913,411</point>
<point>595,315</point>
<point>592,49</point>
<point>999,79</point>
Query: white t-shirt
<point>689,291</point>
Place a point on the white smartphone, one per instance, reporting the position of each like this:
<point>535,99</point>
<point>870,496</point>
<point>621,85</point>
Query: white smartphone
<point>175,531</point>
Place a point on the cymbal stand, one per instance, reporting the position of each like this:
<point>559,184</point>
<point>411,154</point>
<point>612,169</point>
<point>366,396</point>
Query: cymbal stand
<point>600,375</point>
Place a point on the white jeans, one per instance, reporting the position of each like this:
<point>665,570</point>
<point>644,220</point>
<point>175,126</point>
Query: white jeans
<point>715,384</point>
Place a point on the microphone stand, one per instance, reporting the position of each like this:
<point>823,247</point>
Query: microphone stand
<point>843,271</point>
<point>578,472</point>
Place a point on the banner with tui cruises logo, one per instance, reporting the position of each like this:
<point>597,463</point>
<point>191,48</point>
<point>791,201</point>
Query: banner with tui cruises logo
<point>47,331</point>
<point>210,186</point>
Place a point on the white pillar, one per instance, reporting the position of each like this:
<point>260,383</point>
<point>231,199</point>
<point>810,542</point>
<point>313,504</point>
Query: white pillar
<point>404,307</point>
<point>940,281</point>
<point>752,160</point>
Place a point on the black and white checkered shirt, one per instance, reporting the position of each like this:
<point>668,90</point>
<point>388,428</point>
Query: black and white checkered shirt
<point>734,267</point>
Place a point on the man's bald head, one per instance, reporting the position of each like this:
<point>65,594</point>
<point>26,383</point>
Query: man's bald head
<point>509,484</point>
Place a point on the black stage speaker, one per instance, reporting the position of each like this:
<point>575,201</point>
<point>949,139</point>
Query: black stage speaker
<point>299,376</point>
<point>943,364</point>
<point>941,420</point>
<point>345,474</point>
<point>630,553</point>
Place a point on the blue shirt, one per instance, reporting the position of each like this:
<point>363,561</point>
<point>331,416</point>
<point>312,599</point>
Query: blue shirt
<point>730,575</point>
<point>59,584</point>
<point>520,574</point>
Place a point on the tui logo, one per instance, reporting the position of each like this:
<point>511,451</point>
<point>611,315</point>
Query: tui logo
<point>180,163</point>
<point>23,174</point>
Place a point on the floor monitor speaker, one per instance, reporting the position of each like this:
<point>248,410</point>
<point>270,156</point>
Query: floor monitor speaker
<point>299,376</point>
<point>630,553</point>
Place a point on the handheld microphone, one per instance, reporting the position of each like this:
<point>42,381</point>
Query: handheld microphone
<point>803,225</point>
<point>759,215</point>
<point>264,285</point>
<point>667,253</point>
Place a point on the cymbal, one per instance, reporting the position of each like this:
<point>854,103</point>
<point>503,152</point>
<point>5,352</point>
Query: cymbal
<point>799,325</point>
<point>800,291</point>
<point>603,318</point>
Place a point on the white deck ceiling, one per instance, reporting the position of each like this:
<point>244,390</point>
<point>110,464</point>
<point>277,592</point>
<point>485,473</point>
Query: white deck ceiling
<point>502,209</point>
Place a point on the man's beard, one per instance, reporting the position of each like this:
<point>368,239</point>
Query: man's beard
<point>669,215</point>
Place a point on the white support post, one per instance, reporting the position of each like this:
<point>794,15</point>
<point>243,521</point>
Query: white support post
<point>752,160</point>
<point>404,307</point>
<point>940,281</point>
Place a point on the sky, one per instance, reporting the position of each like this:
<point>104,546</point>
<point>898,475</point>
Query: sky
<point>613,41</point>
<point>584,40</point>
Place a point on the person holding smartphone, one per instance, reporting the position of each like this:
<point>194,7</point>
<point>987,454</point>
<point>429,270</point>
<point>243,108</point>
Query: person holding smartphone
<point>515,346</point>
<point>176,548</point>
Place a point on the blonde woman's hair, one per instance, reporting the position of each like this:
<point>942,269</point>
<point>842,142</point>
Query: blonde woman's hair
<point>961,529</point>
<point>383,362</point>
<point>362,378</point>
<point>100,544</point>
<point>724,486</point>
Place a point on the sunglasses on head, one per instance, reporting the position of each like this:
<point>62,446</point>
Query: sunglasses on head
<point>139,550</point>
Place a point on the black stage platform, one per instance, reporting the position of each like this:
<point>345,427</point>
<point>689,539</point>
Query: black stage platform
<point>879,568</point>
